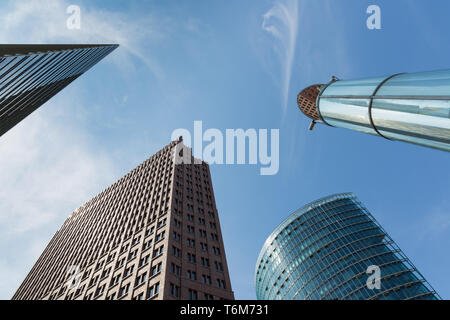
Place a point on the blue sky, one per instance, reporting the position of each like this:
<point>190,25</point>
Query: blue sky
<point>221,62</point>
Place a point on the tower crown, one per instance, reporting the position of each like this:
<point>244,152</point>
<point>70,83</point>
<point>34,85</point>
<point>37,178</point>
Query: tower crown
<point>306,101</point>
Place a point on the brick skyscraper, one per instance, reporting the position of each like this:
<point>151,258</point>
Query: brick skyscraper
<point>154,234</point>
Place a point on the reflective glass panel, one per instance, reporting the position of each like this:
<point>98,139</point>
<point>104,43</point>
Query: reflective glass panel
<point>432,83</point>
<point>423,122</point>
<point>362,87</point>
<point>347,113</point>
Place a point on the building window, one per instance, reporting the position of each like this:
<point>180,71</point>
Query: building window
<point>176,251</point>
<point>99,290</point>
<point>120,263</point>
<point>156,269</point>
<point>162,223</point>
<point>175,269</point>
<point>139,296</point>
<point>191,258</point>
<point>153,290</point>
<point>115,280</point>
<point>111,297</point>
<point>141,279</point>
<point>159,251</point>
<point>150,231</point>
<point>105,273</point>
<point>220,283</point>
<point>110,257</point>
<point>79,291</point>
<point>135,241</point>
<point>219,266</point>
<point>209,297</point>
<point>190,229</point>
<point>190,243</point>
<point>124,248</point>
<point>205,262</point>
<point>124,290</point>
<point>160,236</point>
<point>176,236</point>
<point>93,281</point>
<point>144,260</point>
<point>191,275</point>
<point>128,271</point>
<point>174,290</point>
<point>193,295</point>
<point>132,255</point>
<point>206,279</point>
<point>147,245</point>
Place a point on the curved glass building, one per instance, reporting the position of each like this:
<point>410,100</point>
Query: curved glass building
<point>412,107</point>
<point>324,251</point>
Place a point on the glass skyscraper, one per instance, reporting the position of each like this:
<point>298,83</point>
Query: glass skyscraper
<point>30,75</point>
<point>326,249</point>
<point>411,107</point>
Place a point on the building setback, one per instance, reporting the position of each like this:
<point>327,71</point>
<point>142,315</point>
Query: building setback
<point>327,250</point>
<point>409,107</point>
<point>30,75</point>
<point>154,234</point>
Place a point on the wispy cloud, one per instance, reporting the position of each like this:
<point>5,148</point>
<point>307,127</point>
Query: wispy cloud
<point>281,23</point>
<point>49,165</point>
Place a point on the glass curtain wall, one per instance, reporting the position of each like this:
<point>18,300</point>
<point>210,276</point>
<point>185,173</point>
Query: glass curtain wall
<point>323,251</point>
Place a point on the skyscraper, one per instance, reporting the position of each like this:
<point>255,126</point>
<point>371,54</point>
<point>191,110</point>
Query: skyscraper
<point>30,75</point>
<point>411,107</point>
<point>328,249</point>
<point>154,234</point>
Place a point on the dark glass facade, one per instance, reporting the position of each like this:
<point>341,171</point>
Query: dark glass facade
<point>30,75</point>
<point>323,251</point>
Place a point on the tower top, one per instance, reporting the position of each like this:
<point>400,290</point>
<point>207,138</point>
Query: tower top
<point>306,101</point>
<point>27,49</point>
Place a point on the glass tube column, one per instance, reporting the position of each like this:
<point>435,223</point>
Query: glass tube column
<point>409,107</point>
